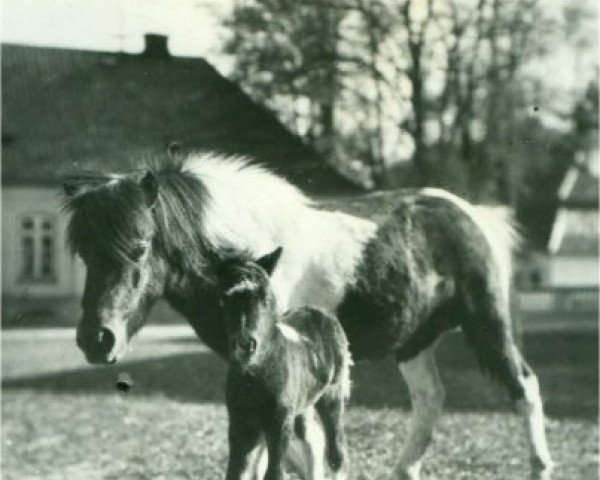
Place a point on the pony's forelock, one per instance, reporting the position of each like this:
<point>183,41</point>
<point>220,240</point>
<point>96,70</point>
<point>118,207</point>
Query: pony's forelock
<point>107,215</point>
<point>197,213</point>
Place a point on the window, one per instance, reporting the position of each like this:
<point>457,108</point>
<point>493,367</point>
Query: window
<point>38,247</point>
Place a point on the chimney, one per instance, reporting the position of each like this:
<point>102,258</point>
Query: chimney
<point>156,46</point>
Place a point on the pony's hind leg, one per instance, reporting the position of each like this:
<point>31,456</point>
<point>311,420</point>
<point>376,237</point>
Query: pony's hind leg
<point>490,336</point>
<point>307,452</point>
<point>427,398</point>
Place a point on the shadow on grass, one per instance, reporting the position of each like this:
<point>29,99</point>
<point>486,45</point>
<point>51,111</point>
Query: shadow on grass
<point>566,363</point>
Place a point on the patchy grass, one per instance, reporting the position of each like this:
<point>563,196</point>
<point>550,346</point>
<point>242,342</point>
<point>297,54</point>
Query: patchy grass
<point>172,425</point>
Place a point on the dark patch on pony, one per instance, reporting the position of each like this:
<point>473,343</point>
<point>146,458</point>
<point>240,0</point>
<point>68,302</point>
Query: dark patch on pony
<point>110,214</point>
<point>389,305</point>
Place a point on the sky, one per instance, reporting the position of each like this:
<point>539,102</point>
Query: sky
<point>193,26</point>
<point>194,29</point>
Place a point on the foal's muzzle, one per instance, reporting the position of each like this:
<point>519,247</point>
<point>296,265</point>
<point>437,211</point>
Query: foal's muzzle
<point>243,347</point>
<point>248,345</point>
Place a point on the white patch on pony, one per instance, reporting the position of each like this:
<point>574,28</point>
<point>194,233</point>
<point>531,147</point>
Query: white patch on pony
<point>497,226</point>
<point>243,286</point>
<point>254,210</point>
<point>249,207</point>
<point>324,250</point>
<point>315,444</point>
<point>289,333</point>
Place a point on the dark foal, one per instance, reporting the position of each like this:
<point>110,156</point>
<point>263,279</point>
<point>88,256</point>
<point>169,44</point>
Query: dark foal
<point>282,369</point>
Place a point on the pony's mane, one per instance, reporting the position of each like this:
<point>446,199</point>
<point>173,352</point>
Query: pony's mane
<point>249,207</point>
<point>207,205</point>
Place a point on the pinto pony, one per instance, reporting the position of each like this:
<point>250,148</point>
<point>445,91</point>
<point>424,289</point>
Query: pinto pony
<point>281,370</point>
<point>436,263</point>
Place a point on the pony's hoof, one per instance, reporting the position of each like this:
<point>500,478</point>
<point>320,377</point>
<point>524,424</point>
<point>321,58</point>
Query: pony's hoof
<point>541,469</point>
<point>403,472</point>
<point>339,475</point>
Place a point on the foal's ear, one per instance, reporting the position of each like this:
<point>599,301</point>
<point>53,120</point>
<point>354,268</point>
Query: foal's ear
<point>149,186</point>
<point>174,150</point>
<point>269,261</point>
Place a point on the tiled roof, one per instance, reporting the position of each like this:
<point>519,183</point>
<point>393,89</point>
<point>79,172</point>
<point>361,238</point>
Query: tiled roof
<point>67,109</point>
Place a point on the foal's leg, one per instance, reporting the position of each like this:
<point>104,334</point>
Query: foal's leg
<point>331,410</point>
<point>427,398</point>
<point>277,433</point>
<point>244,446</point>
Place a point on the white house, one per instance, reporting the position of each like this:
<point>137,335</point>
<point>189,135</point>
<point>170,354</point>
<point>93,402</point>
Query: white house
<point>565,277</point>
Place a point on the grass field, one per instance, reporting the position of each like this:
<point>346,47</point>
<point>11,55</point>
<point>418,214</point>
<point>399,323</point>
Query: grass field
<point>71,423</point>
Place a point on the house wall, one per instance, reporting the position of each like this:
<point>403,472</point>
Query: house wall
<point>18,202</point>
<point>573,271</point>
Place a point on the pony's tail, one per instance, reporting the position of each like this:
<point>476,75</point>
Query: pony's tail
<point>497,226</point>
<point>501,232</point>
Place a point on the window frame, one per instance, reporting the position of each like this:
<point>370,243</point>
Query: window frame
<point>42,256</point>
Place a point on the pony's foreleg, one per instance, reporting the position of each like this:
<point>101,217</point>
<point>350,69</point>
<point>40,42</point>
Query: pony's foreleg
<point>427,398</point>
<point>257,461</point>
<point>306,453</point>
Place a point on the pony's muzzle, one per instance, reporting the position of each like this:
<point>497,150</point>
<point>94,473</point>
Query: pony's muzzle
<point>106,341</point>
<point>98,347</point>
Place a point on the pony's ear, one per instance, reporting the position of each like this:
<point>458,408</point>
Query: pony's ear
<point>71,188</point>
<point>74,186</point>
<point>269,261</point>
<point>149,186</point>
<point>174,150</point>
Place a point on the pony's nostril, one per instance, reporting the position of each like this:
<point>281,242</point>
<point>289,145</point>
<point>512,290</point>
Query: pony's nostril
<point>135,278</point>
<point>251,345</point>
<point>106,340</point>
